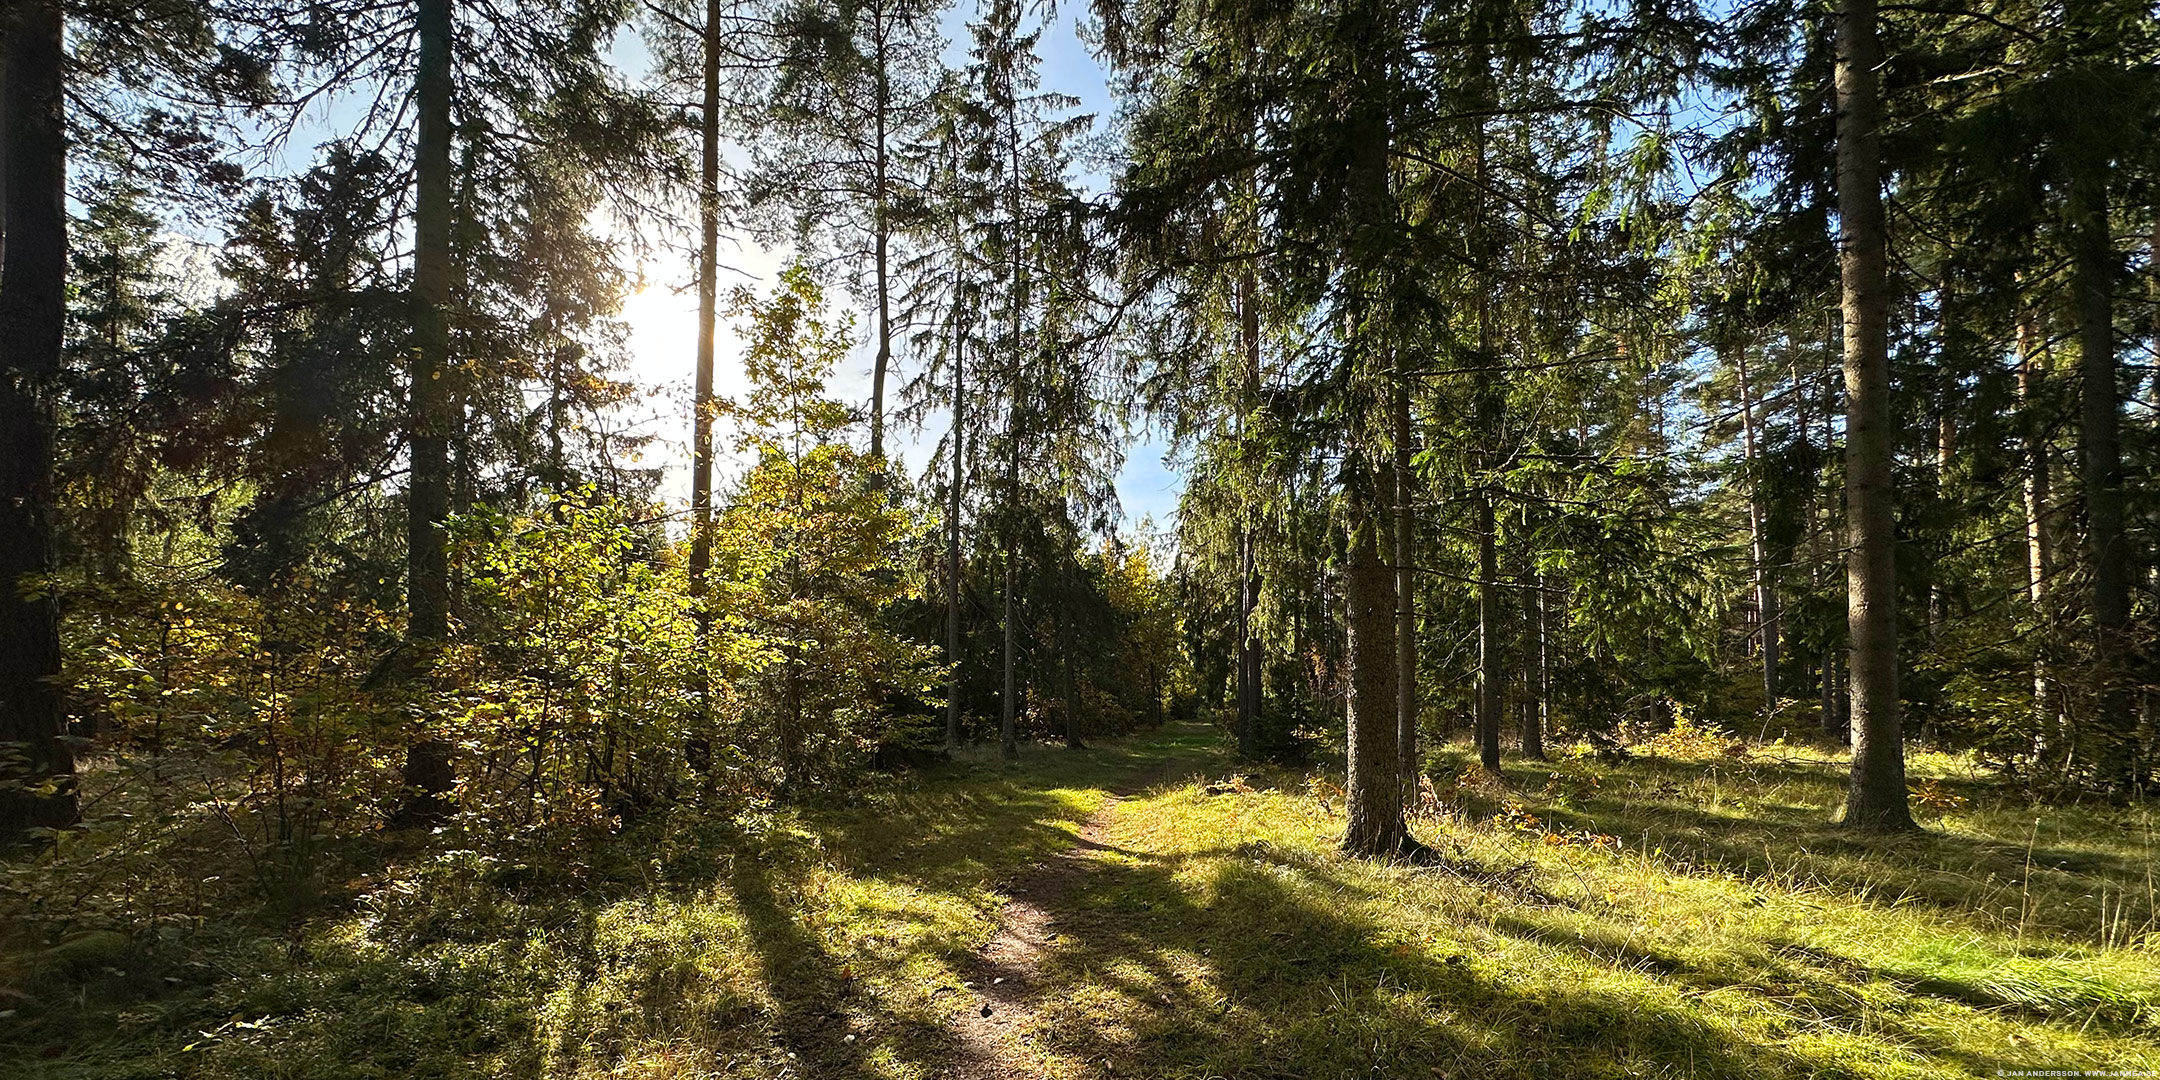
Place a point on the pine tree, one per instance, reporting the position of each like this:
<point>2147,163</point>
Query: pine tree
<point>36,786</point>
<point>846,107</point>
<point>1876,800</point>
<point>428,381</point>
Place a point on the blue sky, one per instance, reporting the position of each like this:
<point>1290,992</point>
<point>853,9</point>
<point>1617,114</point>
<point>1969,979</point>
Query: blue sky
<point>663,321</point>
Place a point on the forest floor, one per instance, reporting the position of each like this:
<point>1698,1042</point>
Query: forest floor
<point>1653,917</point>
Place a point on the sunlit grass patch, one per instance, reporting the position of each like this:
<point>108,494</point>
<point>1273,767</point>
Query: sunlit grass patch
<point>1588,919</point>
<point>1714,940</point>
<point>820,940</point>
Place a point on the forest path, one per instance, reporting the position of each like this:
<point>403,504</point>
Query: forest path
<point>996,1033</point>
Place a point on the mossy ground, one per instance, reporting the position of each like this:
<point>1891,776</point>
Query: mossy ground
<point>1647,918</point>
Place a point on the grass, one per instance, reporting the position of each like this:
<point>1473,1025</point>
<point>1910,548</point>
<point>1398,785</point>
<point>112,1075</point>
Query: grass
<point>823,940</point>
<point>1732,931</point>
<point>1648,918</point>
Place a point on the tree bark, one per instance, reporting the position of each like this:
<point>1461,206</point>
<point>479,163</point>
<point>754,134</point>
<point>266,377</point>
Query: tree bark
<point>881,229</point>
<point>1406,656</point>
<point>952,527</point>
<point>2100,463</point>
<point>1248,652</point>
<point>1373,787</point>
<point>708,290</point>
<point>1250,693</point>
<point>1537,710</point>
<point>427,771</point>
<point>428,559</point>
<point>1766,605</point>
<point>33,315</point>
<point>1009,730</point>
<point>2049,738</point>
<point>1009,703</point>
<point>1876,799</point>
<point>1491,674</point>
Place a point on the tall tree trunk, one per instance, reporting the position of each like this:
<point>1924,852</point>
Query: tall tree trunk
<point>881,231</point>
<point>1938,609</point>
<point>1250,693</point>
<point>1406,655</point>
<point>1836,710</point>
<point>427,763</point>
<point>2049,738</point>
<point>1248,654</point>
<point>1009,703</point>
<point>430,421</point>
<point>1821,666</point>
<point>708,291</point>
<point>1766,605</point>
<point>1832,691</point>
<point>1537,709</point>
<point>1491,674</point>
<point>1070,649</point>
<point>2100,463</point>
<point>1876,798</point>
<point>699,747</point>
<point>952,527</point>
<point>1374,788</point>
<point>1374,791</point>
<point>1009,721</point>
<point>33,316</point>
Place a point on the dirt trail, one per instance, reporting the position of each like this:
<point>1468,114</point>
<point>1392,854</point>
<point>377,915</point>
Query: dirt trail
<point>996,1031</point>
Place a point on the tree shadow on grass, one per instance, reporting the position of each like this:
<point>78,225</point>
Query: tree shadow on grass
<point>958,831</point>
<point>1211,966</point>
<point>818,1019</point>
<point>1981,882</point>
<point>951,838</point>
<point>1811,986</point>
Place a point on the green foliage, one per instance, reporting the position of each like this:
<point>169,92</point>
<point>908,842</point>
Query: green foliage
<point>665,855</point>
<point>571,691</point>
<point>804,553</point>
<point>238,736</point>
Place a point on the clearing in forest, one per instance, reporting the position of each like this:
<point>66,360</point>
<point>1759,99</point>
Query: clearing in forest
<point>1646,918</point>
